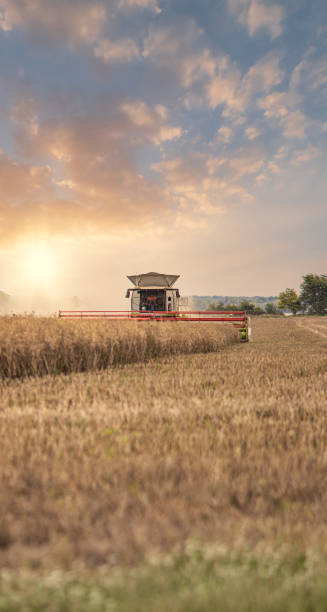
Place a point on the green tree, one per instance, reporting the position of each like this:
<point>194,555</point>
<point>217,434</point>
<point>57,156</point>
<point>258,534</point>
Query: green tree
<point>251,308</point>
<point>289,300</point>
<point>223,307</point>
<point>314,293</point>
<point>271,308</point>
<point>214,306</point>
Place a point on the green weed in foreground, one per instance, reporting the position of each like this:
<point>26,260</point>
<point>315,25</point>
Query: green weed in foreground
<point>192,583</point>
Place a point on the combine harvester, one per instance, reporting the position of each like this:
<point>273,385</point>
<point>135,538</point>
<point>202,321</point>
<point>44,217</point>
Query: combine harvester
<point>153,298</point>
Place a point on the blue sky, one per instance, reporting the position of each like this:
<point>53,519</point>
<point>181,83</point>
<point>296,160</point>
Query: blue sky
<point>182,136</point>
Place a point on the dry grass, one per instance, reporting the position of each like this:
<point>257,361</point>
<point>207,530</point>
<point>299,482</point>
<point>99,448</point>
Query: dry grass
<point>226,447</point>
<point>34,346</point>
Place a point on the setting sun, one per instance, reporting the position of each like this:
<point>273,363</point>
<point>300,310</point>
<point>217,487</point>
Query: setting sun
<point>39,265</point>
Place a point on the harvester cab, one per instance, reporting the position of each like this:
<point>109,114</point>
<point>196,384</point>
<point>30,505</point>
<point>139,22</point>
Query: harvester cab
<point>153,292</point>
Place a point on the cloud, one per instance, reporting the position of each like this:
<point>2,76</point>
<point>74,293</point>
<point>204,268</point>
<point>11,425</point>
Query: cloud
<point>286,160</point>
<point>311,73</point>
<point>167,133</point>
<point>22,180</point>
<point>281,106</point>
<point>24,114</point>
<point>247,161</point>
<point>27,200</point>
<point>224,134</point>
<point>92,182</point>
<point>123,50</point>
<point>150,120</point>
<point>235,92</point>
<point>264,74</point>
<point>74,23</point>
<point>316,74</point>
<point>140,4</point>
<point>275,105</point>
<point>208,78</point>
<point>286,107</point>
<point>225,86</point>
<point>306,155</point>
<point>214,163</point>
<point>274,168</point>
<point>294,124</point>
<point>281,152</point>
<point>140,114</point>
<point>178,49</point>
<point>92,173</point>
<point>259,14</point>
<point>192,185</point>
<point>252,132</point>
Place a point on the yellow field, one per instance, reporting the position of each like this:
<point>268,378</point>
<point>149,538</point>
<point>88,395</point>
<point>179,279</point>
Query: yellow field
<point>108,468</point>
<point>35,346</point>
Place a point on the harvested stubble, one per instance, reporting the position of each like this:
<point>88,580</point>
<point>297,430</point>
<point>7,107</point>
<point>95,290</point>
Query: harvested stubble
<point>33,346</point>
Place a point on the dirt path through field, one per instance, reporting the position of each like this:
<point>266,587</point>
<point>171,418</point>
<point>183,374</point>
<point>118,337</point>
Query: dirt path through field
<point>312,326</point>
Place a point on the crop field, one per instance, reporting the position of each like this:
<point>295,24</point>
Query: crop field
<point>165,466</point>
<point>31,346</point>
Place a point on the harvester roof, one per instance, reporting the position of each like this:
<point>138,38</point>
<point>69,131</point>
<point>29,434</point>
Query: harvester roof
<point>153,279</point>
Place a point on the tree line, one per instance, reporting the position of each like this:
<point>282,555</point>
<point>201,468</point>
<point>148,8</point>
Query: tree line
<point>312,299</point>
<point>250,308</point>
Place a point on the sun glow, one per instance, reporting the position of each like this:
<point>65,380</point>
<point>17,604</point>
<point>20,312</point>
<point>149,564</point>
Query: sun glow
<point>39,265</point>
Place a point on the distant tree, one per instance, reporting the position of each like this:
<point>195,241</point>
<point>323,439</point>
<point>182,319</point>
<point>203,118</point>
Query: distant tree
<point>258,311</point>
<point>314,293</point>
<point>231,307</point>
<point>248,306</point>
<point>271,308</point>
<point>223,307</point>
<point>289,300</point>
<point>216,306</point>
<point>251,308</point>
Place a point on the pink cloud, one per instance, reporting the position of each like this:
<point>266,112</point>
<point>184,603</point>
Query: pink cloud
<point>259,14</point>
<point>91,171</point>
<point>75,23</point>
<point>235,92</point>
<point>177,49</point>
<point>191,183</point>
<point>124,49</point>
<point>140,4</point>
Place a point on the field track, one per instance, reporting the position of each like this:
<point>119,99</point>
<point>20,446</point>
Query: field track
<point>315,325</point>
<point>224,449</point>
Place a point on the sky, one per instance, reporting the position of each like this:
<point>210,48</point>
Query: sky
<point>178,136</point>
